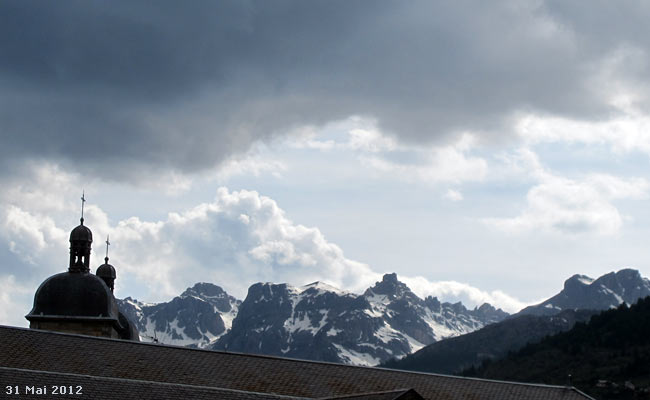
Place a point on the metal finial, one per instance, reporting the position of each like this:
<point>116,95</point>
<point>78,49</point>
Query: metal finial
<point>107,244</point>
<point>83,200</point>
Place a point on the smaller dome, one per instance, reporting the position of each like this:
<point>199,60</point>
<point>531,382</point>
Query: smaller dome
<point>81,233</point>
<point>106,270</point>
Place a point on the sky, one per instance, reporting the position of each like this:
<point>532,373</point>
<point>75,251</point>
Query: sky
<point>483,151</point>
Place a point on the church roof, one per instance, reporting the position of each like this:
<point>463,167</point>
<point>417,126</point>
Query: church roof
<point>76,295</point>
<point>119,388</point>
<point>104,358</point>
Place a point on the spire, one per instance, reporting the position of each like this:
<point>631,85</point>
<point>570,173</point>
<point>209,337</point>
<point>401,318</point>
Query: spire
<point>107,244</point>
<point>83,200</point>
<point>106,271</point>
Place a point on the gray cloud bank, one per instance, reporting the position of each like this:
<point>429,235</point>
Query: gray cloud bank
<point>136,87</point>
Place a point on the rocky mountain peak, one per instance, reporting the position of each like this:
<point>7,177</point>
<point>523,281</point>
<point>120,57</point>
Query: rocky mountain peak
<point>198,317</point>
<point>577,286</point>
<point>486,307</point>
<point>629,273</point>
<point>578,280</point>
<point>204,289</point>
<point>582,292</point>
<point>267,291</point>
<point>389,286</point>
<point>625,279</point>
<point>626,285</point>
<point>211,294</point>
<point>490,313</point>
<point>432,302</point>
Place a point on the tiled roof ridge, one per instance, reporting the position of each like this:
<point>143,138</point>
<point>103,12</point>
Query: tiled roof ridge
<point>346,396</point>
<point>540,385</point>
<point>185,385</point>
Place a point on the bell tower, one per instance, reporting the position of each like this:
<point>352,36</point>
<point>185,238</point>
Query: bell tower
<point>81,239</point>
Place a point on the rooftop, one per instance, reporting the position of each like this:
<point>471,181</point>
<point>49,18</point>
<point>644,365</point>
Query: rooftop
<point>27,353</point>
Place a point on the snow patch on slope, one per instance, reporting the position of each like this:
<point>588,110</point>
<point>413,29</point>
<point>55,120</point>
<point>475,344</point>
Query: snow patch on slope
<point>356,358</point>
<point>323,287</point>
<point>229,316</point>
<point>585,280</point>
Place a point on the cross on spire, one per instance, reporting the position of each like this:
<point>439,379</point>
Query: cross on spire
<point>83,200</point>
<point>107,244</point>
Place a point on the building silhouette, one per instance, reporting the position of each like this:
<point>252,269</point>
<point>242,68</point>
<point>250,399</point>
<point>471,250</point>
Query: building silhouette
<point>78,301</point>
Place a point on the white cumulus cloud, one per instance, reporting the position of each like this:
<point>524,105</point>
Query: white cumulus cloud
<point>238,238</point>
<point>464,292</point>
<point>569,205</point>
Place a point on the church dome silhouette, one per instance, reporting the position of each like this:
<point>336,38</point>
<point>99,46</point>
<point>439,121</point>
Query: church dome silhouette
<point>78,301</point>
<point>107,273</point>
<point>75,295</point>
<point>81,233</point>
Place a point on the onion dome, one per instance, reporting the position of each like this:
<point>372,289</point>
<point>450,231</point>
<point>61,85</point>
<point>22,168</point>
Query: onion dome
<point>80,296</point>
<point>81,239</point>
<point>81,233</point>
<point>107,273</point>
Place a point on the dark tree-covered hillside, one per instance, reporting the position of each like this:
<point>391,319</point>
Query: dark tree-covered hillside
<point>453,355</point>
<point>608,357</point>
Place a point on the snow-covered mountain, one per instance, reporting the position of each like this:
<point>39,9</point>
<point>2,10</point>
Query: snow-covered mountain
<point>316,321</point>
<point>197,318</point>
<point>320,322</point>
<point>583,292</point>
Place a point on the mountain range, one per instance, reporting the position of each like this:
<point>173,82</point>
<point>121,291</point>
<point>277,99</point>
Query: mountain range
<point>580,298</point>
<point>319,322</point>
<point>387,322</point>
<point>315,321</point>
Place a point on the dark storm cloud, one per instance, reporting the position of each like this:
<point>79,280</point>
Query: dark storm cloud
<point>139,86</point>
